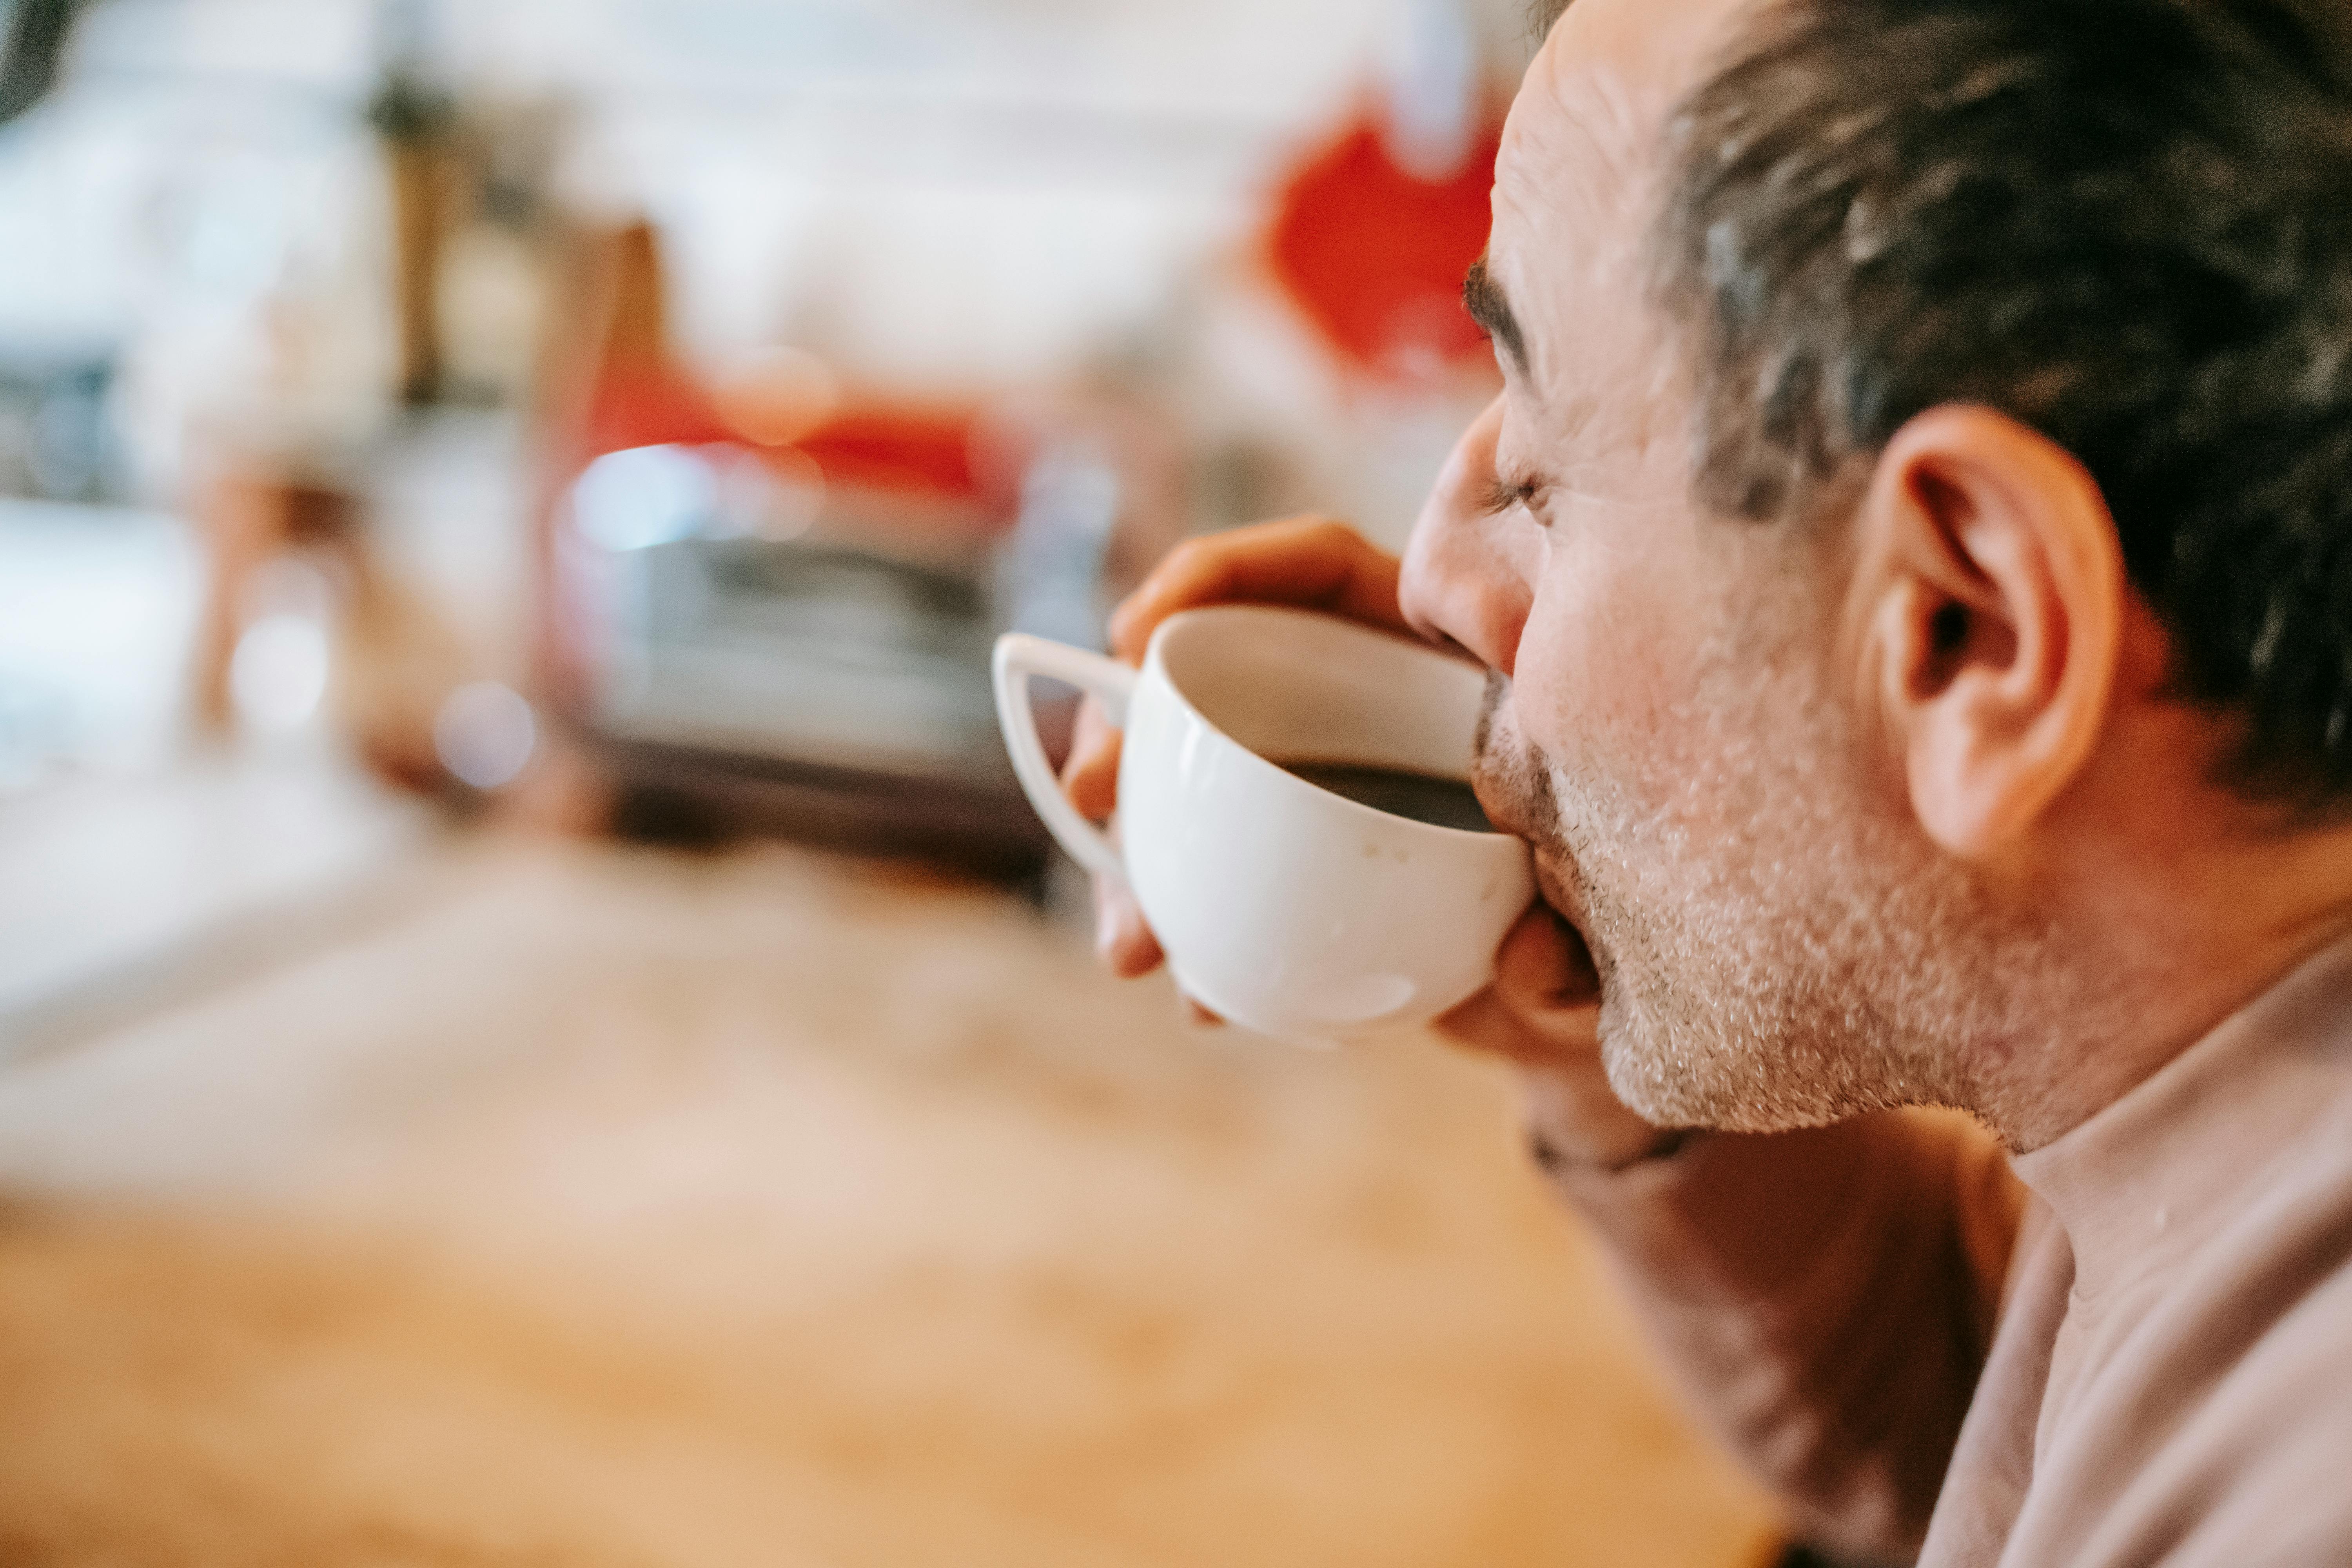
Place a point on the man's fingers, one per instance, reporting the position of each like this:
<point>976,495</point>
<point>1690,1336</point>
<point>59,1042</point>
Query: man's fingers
<point>1307,562</point>
<point>1543,1013</point>
<point>1310,562</point>
<point>1544,1004</point>
<point>1543,965</point>
<point>1122,939</point>
<point>1485,1024</point>
<point>1090,777</point>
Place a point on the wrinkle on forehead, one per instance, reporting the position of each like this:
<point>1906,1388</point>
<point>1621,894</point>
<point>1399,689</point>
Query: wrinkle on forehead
<point>1579,95</point>
<point>1586,128</point>
<point>1581,158</point>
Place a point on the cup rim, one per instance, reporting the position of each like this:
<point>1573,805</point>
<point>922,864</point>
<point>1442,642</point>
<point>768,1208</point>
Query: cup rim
<point>1155,663</point>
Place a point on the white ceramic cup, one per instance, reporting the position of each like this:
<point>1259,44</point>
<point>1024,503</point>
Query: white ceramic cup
<point>1280,905</point>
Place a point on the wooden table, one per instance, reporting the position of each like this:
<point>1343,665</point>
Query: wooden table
<point>602,1207</point>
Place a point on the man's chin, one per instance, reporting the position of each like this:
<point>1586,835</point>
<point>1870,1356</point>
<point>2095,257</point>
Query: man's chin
<point>1648,1088</point>
<point>1675,1089</point>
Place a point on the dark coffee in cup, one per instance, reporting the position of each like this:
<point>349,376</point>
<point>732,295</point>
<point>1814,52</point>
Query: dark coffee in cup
<point>1418,797</point>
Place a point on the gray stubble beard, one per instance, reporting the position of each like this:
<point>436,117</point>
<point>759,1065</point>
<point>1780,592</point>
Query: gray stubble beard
<point>1779,944</point>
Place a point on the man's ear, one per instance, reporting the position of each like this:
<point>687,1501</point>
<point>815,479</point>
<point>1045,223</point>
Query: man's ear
<point>1994,595</point>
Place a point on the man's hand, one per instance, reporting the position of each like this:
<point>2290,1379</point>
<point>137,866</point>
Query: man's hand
<point>1542,1010</point>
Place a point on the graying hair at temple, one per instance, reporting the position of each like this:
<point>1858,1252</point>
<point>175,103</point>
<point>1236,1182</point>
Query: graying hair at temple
<point>2120,221</point>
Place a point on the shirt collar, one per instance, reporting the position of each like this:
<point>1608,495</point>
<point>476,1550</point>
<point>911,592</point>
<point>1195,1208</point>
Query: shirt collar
<point>2161,1170</point>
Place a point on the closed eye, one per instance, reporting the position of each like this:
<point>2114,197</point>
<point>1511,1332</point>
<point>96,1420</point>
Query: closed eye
<point>1500,494</point>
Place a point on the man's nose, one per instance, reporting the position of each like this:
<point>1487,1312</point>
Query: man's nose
<point>1464,582</point>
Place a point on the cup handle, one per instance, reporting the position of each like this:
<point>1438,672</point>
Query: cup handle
<point>1019,656</point>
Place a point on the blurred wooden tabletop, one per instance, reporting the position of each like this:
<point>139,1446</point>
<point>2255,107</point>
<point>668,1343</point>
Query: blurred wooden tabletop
<point>598,1207</point>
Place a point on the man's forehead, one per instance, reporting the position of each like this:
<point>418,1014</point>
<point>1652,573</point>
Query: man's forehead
<point>1567,149</point>
<point>1663,40</point>
<point>1580,149</point>
<point>1600,89</point>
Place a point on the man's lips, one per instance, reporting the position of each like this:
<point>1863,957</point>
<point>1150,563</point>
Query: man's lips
<point>1558,888</point>
<point>1496,779</point>
<point>1506,810</point>
<point>1503,810</point>
<point>1506,804</point>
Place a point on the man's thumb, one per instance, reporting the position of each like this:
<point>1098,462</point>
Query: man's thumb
<point>1543,965</point>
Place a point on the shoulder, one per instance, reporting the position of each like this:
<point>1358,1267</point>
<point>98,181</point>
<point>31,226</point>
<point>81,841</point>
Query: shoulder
<point>2256,1470</point>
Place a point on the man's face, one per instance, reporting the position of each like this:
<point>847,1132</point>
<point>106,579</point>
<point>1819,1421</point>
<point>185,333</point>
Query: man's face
<point>1675,718</point>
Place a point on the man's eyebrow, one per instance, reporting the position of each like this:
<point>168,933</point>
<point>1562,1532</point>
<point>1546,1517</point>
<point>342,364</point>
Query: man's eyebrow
<point>1491,308</point>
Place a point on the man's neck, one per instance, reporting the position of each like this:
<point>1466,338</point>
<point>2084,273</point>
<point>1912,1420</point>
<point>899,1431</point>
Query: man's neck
<point>2169,939</point>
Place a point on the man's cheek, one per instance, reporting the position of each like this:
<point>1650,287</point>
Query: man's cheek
<point>1601,662</point>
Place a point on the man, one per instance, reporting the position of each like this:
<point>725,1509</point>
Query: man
<point>1913,550</point>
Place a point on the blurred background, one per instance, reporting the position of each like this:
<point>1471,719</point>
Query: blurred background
<point>534,1024</point>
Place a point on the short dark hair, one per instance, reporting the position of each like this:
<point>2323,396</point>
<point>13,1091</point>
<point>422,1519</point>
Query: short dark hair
<point>2126,223</point>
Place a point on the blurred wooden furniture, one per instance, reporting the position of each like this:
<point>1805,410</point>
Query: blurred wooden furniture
<point>904,524</point>
<point>249,514</point>
<point>394,658</point>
